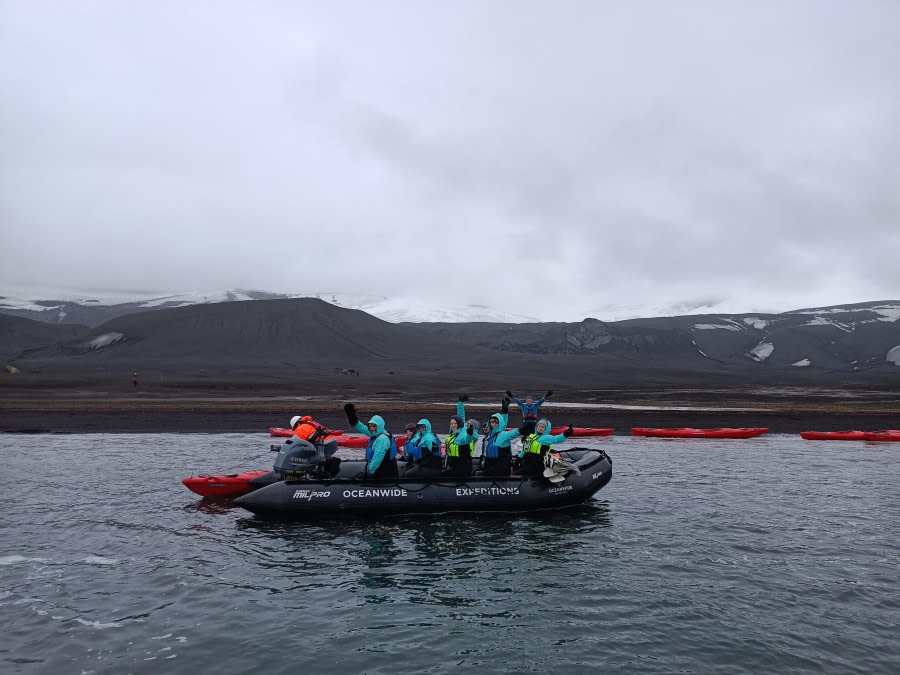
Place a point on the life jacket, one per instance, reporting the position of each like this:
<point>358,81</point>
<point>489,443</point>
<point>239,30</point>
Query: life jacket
<point>531,446</point>
<point>370,450</point>
<point>310,430</point>
<point>453,448</point>
<point>413,450</point>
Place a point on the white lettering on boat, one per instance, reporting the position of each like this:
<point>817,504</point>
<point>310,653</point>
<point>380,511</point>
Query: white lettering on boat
<point>560,489</point>
<point>384,492</point>
<point>475,492</point>
<point>309,494</point>
<point>597,475</point>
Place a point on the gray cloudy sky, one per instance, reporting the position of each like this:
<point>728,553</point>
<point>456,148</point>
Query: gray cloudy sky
<point>539,157</point>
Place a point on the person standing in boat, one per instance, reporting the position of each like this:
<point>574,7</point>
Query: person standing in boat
<point>496,454</point>
<point>381,450</point>
<point>530,407</point>
<point>537,444</point>
<point>460,442</point>
<point>425,451</point>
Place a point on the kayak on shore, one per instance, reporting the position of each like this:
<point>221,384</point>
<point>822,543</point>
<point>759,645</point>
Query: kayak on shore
<point>685,432</point>
<point>883,436</point>
<point>833,435</point>
<point>586,472</point>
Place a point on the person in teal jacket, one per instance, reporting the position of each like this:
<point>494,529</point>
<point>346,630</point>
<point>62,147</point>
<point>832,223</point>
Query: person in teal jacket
<point>381,450</point>
<point>496,454</point>
<point>460,442</point>
<point>425,451</point>
<point>535,445</point>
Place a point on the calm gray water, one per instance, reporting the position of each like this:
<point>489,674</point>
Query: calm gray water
<point>771,554</point>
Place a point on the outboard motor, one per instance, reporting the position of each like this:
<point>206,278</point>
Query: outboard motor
<point>298,459</point>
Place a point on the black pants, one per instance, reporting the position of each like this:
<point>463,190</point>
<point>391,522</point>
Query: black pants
<point>429,465</point>
<point>497,466</point>
<point>459,466</point>
<point>532,465</point>
<point>387,469</point>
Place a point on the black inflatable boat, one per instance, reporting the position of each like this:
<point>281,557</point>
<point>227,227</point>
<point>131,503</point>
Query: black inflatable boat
<point>583,473</point>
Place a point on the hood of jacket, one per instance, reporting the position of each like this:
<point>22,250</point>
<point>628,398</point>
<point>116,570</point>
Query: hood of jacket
<point>426,423</point>
<point>378,421</point>
<point>546,424</point>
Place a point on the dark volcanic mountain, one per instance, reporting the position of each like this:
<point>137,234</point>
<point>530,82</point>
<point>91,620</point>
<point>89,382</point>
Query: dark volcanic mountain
<point>19,336</point>
<point>305,337</point>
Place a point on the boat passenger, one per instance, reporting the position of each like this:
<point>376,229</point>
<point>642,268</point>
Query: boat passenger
<point>496,454</point>
<point>460,442</point>
<point>410,431</point>
<point>381,450</point>
<point>530,408</point>
<point>307,429</point>
<point>537,444</point>
<point>425,451</point>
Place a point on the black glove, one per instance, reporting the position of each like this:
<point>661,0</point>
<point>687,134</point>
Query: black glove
<point>463,397</point>
<point>549,394</point>
<point>470,429</point>
<point>524,429</point>
<point>569,432</point>
<point>504,406</point>
<point>510,394</point>
<point>350,409</point>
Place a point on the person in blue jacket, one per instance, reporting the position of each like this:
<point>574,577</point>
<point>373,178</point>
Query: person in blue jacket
<point>537,444</point>
<point>425,450</point>
<point>460,442</point>
<point>496,454</point>
<point>530,408</point>
<point>381,450</point>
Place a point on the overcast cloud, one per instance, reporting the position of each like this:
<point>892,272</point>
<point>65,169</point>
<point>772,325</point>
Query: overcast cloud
<point>545,158</point>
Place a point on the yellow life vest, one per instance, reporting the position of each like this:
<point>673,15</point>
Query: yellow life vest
<point>531,445</point>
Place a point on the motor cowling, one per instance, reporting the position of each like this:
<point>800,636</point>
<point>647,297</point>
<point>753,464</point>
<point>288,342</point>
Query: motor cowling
<point>301,459</point>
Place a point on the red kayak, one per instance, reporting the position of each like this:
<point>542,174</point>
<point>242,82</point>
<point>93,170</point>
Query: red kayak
<point>287,433</point>
<point>700,433</point>
<point>833,435</point>
<point>888,435</point>
<point>583,432</point>
<point>230,485</point>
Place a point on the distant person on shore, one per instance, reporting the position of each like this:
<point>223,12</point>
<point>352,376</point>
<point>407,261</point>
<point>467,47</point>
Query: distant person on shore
<point>530,407</point>
<point>134,379</point>
<point>496,454</point>
<point>536,445</point>
<point>381,450</point>
<point>460,442</point>
<point>424,451</point>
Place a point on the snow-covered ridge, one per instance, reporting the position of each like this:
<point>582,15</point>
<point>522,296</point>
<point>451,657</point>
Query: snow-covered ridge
<point>52,301</point>
<point>394,310</point>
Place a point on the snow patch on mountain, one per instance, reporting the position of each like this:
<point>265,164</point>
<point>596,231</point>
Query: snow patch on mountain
<point>893,356</point>
<point>762,351</point>
<point>714,326</point>
<point>801,363</point>
<point>822,321</point>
